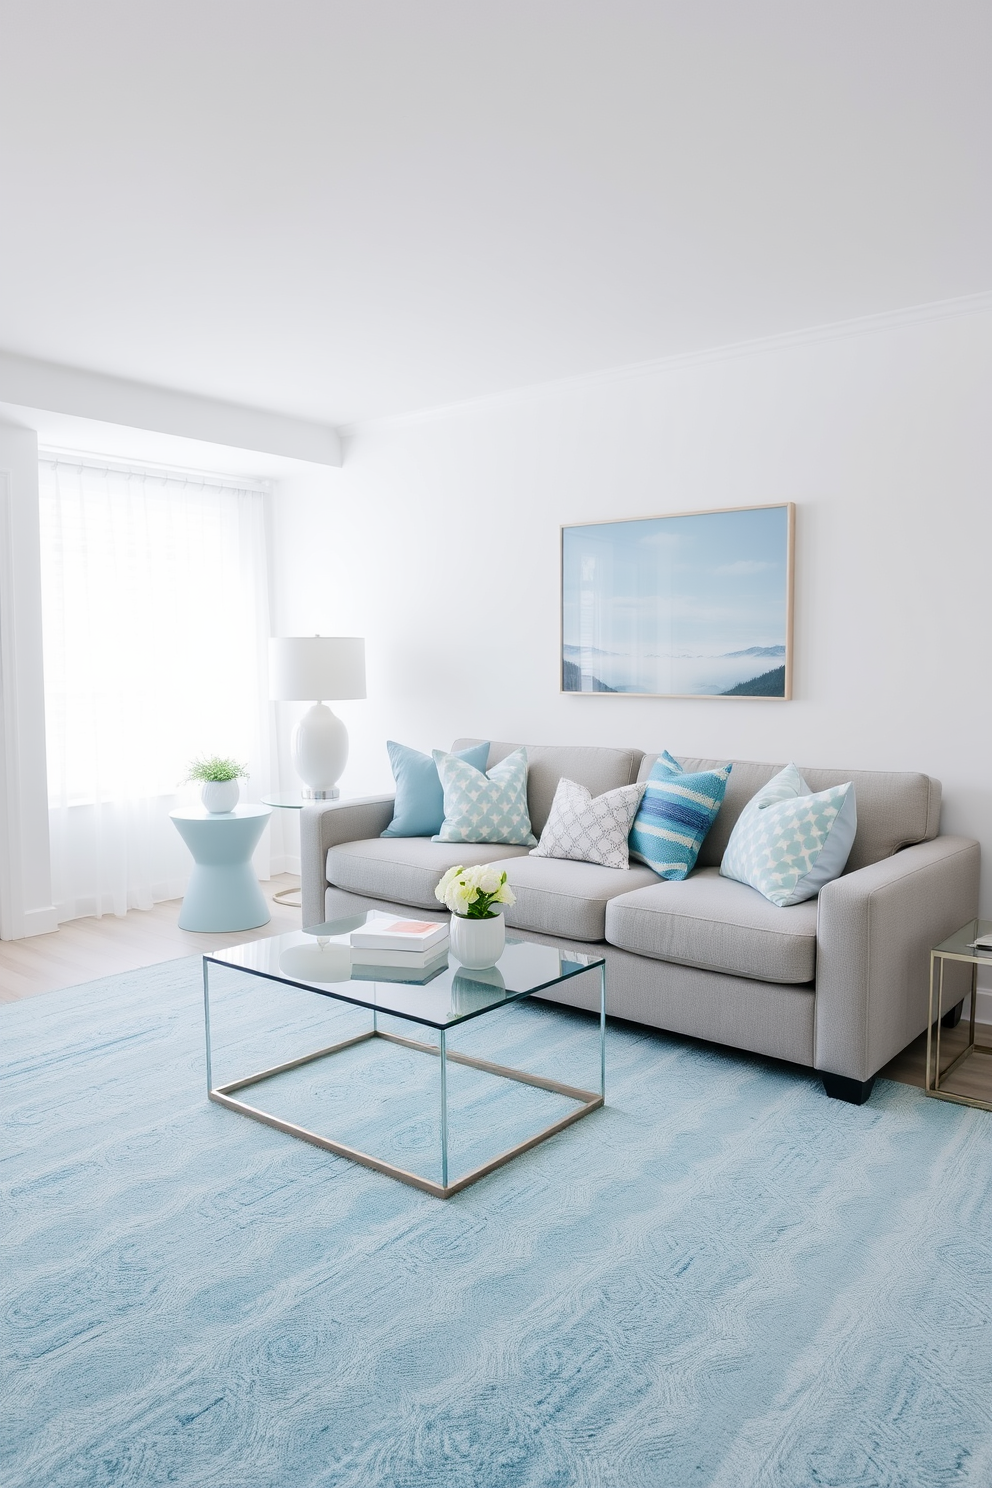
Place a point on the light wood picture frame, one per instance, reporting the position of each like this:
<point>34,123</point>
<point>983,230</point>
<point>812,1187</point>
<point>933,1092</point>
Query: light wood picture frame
<point>690,604</point>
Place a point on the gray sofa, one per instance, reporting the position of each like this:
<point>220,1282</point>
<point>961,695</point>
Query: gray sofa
<point>838,984</point>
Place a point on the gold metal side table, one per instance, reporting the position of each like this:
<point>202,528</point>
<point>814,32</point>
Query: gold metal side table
<point>958,947</point>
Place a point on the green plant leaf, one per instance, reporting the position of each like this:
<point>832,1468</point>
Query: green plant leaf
<point>214,767</point>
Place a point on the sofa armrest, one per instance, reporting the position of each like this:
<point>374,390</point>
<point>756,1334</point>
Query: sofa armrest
<point>875,930</point>
<point>323,825</point>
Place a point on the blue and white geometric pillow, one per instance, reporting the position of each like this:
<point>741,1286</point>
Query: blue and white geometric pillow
<point>485,808</point>
<point>676,811</point>
<point>789,841</point>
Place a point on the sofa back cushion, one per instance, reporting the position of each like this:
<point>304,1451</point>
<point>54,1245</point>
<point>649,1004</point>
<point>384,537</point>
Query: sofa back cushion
<point>895,808</point>
<point>597,769</point>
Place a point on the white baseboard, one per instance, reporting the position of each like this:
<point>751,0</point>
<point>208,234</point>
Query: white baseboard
<point>36,922</point>
<point>284,864</point>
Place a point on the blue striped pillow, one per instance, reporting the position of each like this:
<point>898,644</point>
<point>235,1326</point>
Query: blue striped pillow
<point>676,812</point>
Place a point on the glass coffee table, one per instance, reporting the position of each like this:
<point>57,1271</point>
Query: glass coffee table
<point>319,961</point>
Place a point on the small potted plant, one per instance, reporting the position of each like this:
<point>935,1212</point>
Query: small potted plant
<point>219,789</point>
<point>475,897</point>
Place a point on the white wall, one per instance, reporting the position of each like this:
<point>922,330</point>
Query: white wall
<point>26,906</point>
<point>439,542</point>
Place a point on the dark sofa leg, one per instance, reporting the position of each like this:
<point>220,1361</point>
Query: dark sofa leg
<point>953,1018</point>
<point>840,1087</point>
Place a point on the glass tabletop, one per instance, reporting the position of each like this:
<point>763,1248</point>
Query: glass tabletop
<point>961,943</point>
<point>319,959</point>
<point>289,803</point>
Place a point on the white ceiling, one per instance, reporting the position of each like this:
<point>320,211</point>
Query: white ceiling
<point>345,208</point>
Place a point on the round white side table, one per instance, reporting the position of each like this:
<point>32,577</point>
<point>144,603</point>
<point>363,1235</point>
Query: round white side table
<point>223,891</point>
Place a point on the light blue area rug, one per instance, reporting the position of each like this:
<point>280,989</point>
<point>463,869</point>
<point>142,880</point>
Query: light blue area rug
<point>722,1279</point>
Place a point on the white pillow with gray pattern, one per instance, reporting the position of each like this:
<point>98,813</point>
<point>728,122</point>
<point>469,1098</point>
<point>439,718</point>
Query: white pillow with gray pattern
<point>589,829</point>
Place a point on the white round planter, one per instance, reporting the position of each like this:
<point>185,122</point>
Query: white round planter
<point>477,943</point>
<point>219,796</point>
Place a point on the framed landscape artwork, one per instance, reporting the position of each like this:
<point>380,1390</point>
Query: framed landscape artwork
<point>693,605</point>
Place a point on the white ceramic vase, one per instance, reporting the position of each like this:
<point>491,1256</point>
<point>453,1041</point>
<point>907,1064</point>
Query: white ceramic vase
<point>320,751</point>
<point>219,796</point>
<point>477,943</point>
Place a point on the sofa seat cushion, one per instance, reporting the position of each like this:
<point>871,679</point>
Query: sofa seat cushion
<point>719,925</point>
<point>405,869</point>
<point>561,897</point>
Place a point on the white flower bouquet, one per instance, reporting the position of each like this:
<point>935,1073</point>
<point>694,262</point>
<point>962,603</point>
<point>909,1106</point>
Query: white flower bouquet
<point>474,893</point>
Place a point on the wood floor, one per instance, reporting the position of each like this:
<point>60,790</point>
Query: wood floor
<point>973,1078</point>
<point>82,950</point>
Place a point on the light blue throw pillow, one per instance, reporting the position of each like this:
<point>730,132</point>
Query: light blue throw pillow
<point>418,810</point>
<point>789,841</point>
<point>485,808</point>
<point>676,811</point>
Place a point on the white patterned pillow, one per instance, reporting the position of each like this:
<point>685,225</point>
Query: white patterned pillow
<point>789,841</point>
<point>589,829</point>
<point>480,807</point>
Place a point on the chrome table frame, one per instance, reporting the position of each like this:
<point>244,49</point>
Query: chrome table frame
<point>287,803</point>
<point>935,1076</point>
<point>588,1100</point>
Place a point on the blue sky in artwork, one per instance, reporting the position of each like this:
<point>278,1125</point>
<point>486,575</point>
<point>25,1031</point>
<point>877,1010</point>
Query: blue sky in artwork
<point>642,599</point>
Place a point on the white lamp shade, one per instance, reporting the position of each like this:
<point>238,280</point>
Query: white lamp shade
<point>312,668</point>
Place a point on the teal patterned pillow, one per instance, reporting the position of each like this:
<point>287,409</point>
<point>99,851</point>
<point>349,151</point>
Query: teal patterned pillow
<point>789,841</point>
<point>676,811</point>
<point>485,808</point>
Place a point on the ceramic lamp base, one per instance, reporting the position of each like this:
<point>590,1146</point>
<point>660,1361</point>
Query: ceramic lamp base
<point>320,752</point>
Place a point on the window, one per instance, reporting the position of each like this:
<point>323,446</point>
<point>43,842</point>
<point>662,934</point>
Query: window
<point>155,626</point>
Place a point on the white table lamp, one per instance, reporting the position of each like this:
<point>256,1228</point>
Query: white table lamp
<point>302,668</point>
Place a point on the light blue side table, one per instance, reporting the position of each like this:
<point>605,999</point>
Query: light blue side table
<point>223,891</point>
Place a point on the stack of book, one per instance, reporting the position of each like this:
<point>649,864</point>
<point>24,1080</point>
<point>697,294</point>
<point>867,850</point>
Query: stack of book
<point>388,948</point>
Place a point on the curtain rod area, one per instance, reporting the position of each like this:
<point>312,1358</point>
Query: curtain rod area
<point>90,460</point>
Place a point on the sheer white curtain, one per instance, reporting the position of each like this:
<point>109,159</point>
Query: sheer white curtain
<point>155,602</point>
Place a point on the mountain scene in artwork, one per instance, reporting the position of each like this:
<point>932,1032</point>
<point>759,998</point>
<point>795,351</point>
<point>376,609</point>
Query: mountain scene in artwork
<point>769,684</point>
<point>572,681</point>
<point>694,605</point>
